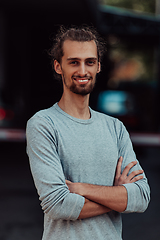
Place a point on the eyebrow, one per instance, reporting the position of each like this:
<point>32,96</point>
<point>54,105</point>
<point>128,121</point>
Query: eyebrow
<point>78,59</point>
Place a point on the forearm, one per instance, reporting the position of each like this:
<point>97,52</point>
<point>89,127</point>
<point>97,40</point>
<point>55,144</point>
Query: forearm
<point>92,209</point>
<point>114,197</point>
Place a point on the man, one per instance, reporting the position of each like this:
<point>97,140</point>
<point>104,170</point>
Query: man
<point>82,161</point>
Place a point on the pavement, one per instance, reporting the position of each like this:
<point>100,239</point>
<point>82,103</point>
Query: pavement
<point>20,211</point>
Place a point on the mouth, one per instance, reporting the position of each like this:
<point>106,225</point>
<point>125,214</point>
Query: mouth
<point>81,80</point>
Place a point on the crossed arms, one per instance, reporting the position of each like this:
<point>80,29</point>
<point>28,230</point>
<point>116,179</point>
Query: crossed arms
<point>59,201</point>
<point>103,199</point>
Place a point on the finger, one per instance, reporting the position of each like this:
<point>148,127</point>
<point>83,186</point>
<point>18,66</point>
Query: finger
<point>128,168</point>
<point>68,182</point>
<point>135,179</point>
<point>118,168</point>
<point>134,174</point>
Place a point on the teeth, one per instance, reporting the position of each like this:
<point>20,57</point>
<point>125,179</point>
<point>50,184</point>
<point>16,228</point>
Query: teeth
<point>83,80</point>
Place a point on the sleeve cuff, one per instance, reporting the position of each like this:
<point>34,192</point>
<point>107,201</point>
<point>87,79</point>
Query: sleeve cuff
<point>76,205</point>
<point>132,199</point>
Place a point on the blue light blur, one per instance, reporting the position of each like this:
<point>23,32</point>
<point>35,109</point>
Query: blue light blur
<point>114,102</point>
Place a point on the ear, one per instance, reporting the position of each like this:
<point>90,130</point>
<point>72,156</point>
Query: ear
<point>99,67</point>
<point>57,67</point>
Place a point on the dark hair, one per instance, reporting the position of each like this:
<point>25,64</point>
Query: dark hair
<point>80,34</point>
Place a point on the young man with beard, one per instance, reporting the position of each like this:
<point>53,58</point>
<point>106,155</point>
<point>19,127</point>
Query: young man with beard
<point>82,161</point>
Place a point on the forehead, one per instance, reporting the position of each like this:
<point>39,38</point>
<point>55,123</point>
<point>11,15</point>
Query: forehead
<point>75,49</point>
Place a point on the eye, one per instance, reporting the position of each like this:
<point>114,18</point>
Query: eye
<point>74,63</point>
<point>90,62</point>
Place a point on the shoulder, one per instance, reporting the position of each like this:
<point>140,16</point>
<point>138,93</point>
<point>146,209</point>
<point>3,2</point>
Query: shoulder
<point>112,123</point>
<point>43,117</point>
<point>41,126</point>
<point>106,118</point>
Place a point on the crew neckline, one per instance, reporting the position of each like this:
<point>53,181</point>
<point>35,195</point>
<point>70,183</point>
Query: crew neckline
<point>83,121</point>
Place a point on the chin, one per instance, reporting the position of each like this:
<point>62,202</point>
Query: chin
<point>83,92</point>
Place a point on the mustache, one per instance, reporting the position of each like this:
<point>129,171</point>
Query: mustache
<point>81,77</point>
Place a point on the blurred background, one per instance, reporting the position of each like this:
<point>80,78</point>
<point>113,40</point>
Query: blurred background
<point>127,88</point>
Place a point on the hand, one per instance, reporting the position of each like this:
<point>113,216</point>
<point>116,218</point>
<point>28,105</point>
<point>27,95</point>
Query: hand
<point>73,187</point>
<point>124,177</point>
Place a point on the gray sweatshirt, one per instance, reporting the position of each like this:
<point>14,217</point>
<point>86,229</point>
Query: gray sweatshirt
<point>63,147</point>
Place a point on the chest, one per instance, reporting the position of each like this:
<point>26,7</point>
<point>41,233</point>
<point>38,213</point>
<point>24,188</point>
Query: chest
<point>88,154</point>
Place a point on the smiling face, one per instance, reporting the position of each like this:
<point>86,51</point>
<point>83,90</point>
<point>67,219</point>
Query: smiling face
<point>78,67</point>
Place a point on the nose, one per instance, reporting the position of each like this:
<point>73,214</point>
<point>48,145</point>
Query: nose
<point>82,69</point>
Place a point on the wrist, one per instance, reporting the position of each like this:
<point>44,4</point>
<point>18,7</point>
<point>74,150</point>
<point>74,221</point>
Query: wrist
<point>81,189</point>
<point>84,189</point>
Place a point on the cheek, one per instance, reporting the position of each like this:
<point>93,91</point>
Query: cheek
<point>67,76</point>
<point>68,72</point>
<point>95,73</point>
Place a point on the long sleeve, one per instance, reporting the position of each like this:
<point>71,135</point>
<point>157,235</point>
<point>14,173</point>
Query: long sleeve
<point>46,168</point>
<point>138,192</point>
<point>62,147</point>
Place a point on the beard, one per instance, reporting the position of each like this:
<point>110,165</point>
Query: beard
<point>81,89</point>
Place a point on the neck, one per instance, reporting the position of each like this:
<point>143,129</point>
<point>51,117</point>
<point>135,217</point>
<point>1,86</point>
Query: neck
<point>75,105</point>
